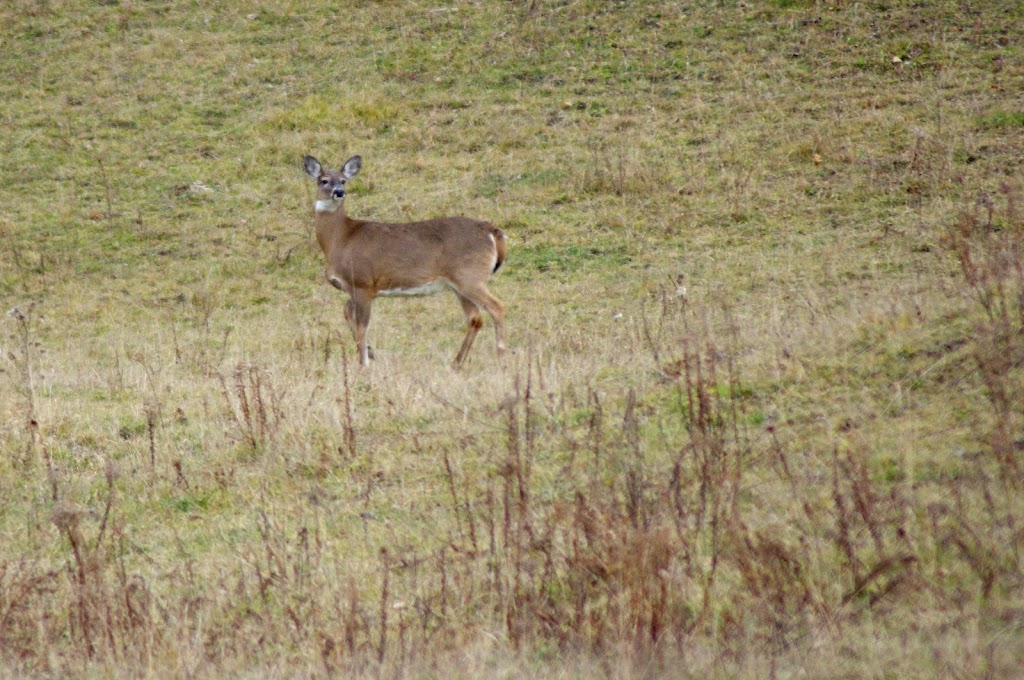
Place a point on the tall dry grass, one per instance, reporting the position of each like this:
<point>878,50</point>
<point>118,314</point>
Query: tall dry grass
<point>734,553</point>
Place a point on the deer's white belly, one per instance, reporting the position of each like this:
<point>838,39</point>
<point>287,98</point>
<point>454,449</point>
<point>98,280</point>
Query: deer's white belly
<point>435,286</point>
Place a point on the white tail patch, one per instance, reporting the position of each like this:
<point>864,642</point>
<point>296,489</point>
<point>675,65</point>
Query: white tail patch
<point>494,258</point>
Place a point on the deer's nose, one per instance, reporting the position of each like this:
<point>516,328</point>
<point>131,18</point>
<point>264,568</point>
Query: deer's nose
<point>338,192</point>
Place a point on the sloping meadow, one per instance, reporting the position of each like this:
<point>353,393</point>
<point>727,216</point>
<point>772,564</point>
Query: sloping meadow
<point>764,290</point>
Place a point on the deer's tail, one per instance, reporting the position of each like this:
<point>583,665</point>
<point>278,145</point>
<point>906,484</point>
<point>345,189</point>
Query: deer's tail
<point>500,248</point>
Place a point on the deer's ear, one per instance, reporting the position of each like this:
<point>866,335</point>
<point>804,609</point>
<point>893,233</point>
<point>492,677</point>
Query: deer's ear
<point>312,167</point>
<point>351,167</point>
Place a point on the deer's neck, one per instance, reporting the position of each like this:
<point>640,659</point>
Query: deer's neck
<point>332,228</point>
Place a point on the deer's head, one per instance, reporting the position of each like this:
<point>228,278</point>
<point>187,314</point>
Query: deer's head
<point>330,192</point>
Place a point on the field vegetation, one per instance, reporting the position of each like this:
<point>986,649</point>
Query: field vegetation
<point>765,289</point>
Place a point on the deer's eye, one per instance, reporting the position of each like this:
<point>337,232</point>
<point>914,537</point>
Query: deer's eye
<point>325,182</point>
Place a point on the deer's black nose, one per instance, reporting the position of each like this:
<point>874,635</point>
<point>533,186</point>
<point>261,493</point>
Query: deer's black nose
<point>338,192</point>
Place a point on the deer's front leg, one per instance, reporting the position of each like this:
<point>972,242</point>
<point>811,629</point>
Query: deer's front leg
<point>357,314</point>
<point>350,318</point>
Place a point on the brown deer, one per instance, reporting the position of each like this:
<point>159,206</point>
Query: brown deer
<point>367,259</point>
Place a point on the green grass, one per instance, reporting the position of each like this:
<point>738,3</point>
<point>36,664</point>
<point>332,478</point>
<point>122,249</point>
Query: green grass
<point>195,467</point>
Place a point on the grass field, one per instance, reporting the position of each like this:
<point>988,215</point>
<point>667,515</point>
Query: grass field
<point>764,411</point>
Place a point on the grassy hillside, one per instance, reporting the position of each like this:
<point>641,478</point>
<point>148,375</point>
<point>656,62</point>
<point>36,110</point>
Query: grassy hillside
<point>764,290</point>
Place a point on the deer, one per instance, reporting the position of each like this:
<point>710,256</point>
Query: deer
<point>367,259</point>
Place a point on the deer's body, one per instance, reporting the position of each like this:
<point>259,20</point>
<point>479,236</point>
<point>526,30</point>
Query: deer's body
<point>367,259</point>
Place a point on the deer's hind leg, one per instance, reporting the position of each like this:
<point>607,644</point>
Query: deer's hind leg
<point>474,322</point>
<point>481,298</point>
